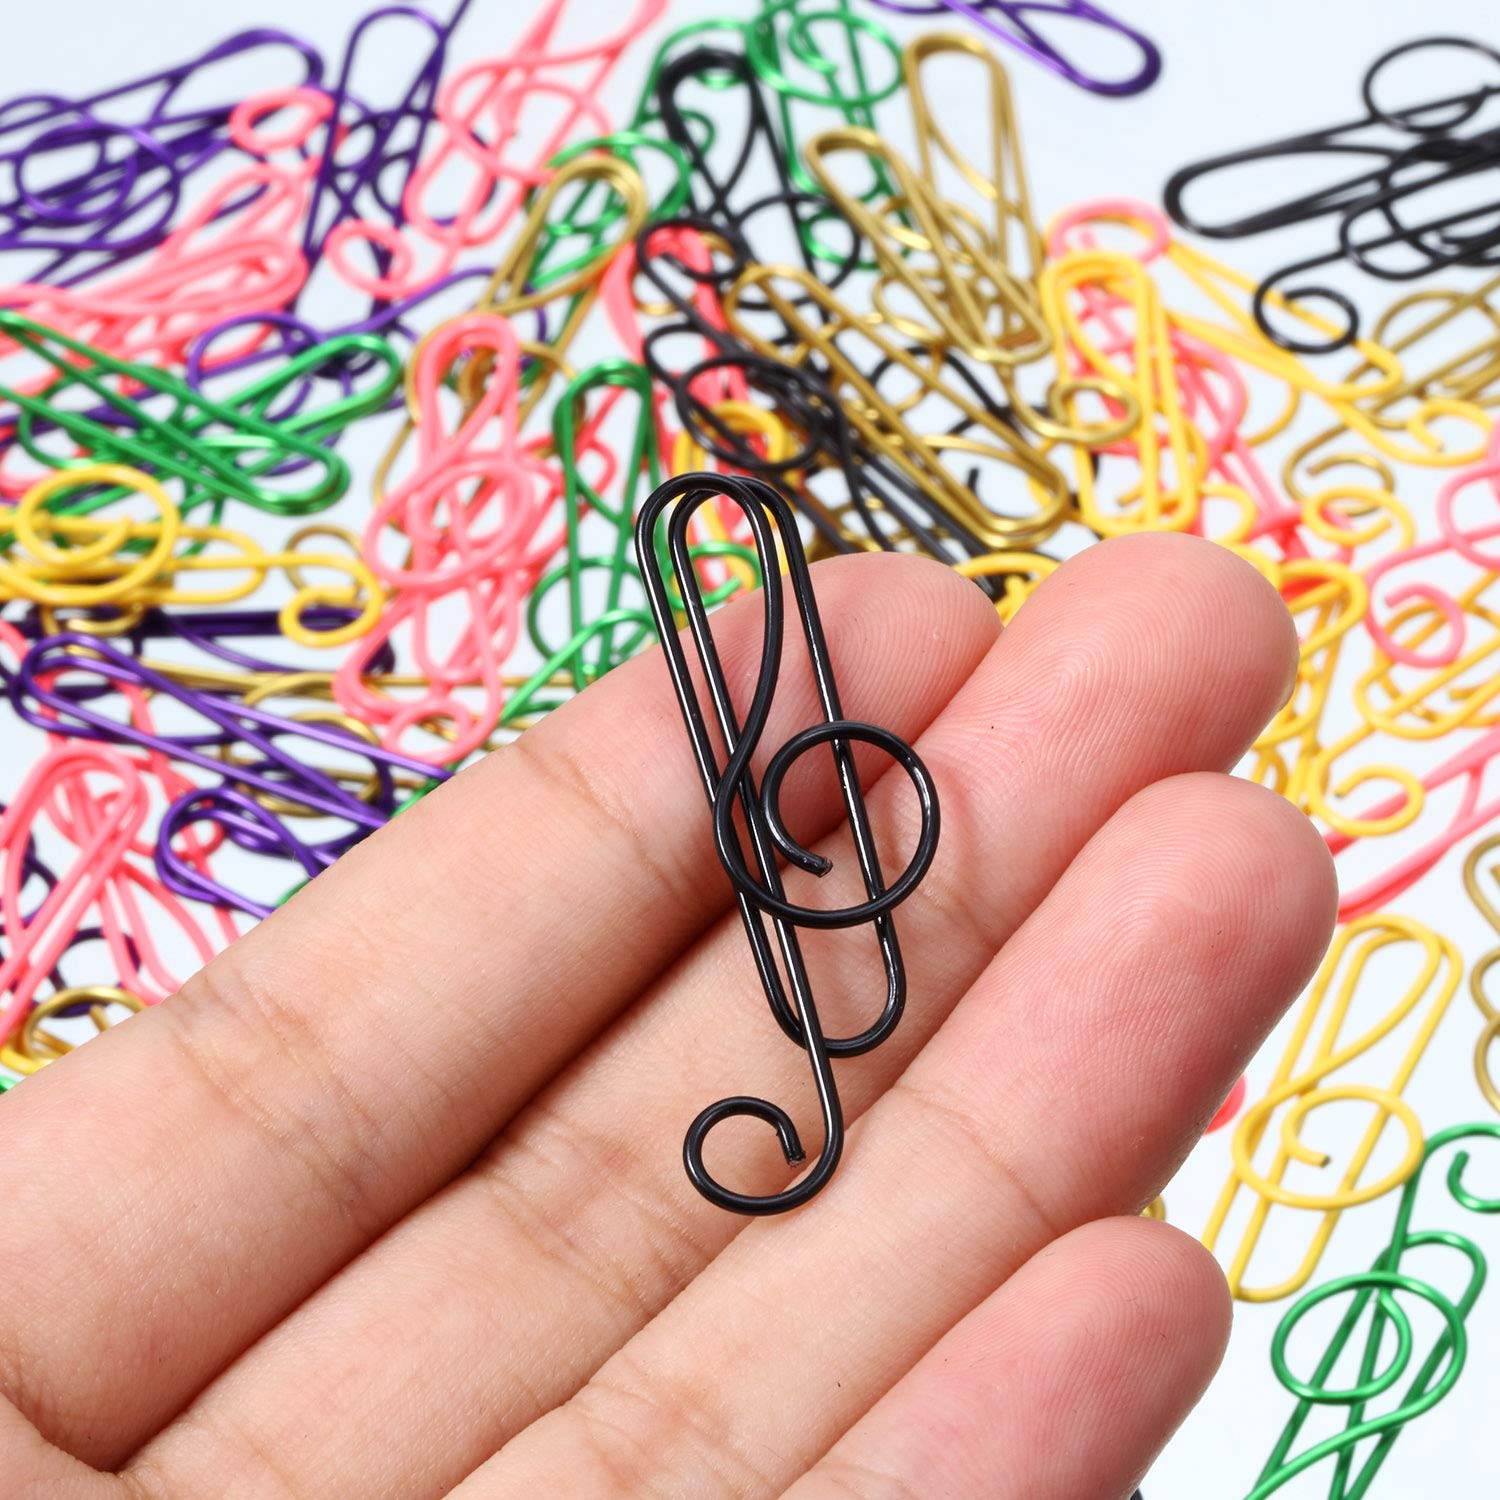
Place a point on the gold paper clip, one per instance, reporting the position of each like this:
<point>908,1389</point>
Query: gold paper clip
<point>1455,386</point>
<point>954,278</point>
<point>821,324</point>
<point>967,298</point>
<point>1480,971</point>
<point>1001,187</point>
<point>33,1047</point>
<point>520,284</point>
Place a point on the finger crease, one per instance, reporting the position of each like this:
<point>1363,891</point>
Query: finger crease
<point>863,1481</point>
<point>348,1177</point>
<point>981,1143</point>
<point>681,1439</point>
<point>551,1220</point>
<point>571,776</point>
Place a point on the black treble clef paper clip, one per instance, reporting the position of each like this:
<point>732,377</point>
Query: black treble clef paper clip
<point>759,891</point>
<point>1406,159</point>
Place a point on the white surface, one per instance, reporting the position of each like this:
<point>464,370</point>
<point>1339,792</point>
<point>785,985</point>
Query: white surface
<point>1234,74</point>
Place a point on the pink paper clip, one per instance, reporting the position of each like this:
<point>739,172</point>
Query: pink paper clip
<point>469,514</point>
<point>215,265</point>
<point>59,780</point>
<point>478,114</point>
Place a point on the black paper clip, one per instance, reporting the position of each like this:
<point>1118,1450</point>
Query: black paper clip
<point>1399,212</point>
<point>759,891</point>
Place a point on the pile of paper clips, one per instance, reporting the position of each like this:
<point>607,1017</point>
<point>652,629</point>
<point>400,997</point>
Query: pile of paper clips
<point>747,277</point>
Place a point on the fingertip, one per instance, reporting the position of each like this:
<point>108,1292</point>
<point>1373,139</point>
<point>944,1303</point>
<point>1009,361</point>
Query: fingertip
<point>1150,1321</point>
<point>1293,864</point>
<point>1182,933</point>
<point>1065,1381</point>
<point>1172,1273</point>
<point>1235,857</point>
<point>1209,599</point>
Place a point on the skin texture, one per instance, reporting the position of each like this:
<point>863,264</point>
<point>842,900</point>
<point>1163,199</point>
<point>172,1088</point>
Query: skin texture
<point>389,1200</point>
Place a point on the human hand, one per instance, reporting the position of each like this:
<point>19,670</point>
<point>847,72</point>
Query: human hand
<point>389,1201</point>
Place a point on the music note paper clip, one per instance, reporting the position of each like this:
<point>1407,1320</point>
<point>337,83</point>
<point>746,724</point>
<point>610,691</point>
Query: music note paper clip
<point>759,892</point>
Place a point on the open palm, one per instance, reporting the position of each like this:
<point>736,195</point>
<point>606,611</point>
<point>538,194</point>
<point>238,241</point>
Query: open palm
<point>389,1201</point>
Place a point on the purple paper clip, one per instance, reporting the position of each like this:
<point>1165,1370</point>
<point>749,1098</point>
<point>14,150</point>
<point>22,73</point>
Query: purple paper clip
<point>209,630</point>
<point>277,771</point>
<point>342,175</point>
<point>248,824</point>
<point>125,196</point>
<point>1007,21</point>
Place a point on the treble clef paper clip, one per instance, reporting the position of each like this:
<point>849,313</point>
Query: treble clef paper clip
<point>1362,1446</point>
<point>1404,156</point>
<point>759,892</point>
<point>1301,1084</point>
<point>116,162</point>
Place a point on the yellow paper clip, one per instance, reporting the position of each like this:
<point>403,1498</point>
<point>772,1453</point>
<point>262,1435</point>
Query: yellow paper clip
<point>1167,450</point>
<point>1302,1085</point>
<point>1422,704</point>
<point>1022,571</point>
<point>1326,600</point>
<point>33,1047</point>
<point>83,561</point>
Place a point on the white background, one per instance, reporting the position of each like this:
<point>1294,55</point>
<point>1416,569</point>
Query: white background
<point>1235,73</point>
